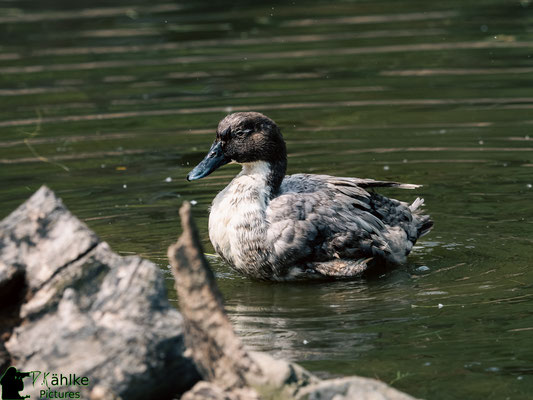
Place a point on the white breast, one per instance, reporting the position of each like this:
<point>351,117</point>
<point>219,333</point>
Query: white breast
<point>237,217</point>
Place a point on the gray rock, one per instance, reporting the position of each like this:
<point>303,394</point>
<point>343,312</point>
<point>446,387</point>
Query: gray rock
<point>40,238</point>
<point>353,387</point>
<point>90,311</point>
<point>210,391</point>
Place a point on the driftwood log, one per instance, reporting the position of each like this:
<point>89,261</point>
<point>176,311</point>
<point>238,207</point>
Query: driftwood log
<point>71,305</point>
<point>214,346</point>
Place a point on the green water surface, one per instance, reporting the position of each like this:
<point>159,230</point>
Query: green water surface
<point>112,103</point>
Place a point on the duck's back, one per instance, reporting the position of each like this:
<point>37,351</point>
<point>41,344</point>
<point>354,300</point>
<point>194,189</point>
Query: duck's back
<point>319,218</point>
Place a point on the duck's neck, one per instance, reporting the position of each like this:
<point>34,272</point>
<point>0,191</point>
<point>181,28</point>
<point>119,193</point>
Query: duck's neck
<point>268,174</point>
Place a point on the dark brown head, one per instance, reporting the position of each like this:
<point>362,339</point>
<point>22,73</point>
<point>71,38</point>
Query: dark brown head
<point>244,137</point>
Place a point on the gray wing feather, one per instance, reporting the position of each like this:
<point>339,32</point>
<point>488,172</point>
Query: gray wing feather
<point>368,183</point>
<point>321,217</point>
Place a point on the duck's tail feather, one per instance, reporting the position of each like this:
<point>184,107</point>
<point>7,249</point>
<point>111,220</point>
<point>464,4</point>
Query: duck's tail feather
<point>370,183</point>
<point>367,183</point>
<point>423,222</point>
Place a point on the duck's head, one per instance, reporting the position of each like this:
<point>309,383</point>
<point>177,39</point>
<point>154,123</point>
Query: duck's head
<point>244,137</point>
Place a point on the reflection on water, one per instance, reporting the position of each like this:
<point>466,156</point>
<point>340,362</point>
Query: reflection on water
<point>111,105</point>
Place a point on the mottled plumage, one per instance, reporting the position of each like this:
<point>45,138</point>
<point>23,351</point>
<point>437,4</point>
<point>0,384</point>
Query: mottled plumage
<point>271,226</point>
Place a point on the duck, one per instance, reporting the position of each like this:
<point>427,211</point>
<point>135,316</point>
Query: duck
<point>271,226</point>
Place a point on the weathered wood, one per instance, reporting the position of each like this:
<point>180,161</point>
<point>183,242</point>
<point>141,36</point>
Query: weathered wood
<point>88,310</point>
<point>214,346</point>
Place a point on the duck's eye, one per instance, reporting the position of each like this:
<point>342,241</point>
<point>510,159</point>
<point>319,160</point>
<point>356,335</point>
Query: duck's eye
<point>243,132</point>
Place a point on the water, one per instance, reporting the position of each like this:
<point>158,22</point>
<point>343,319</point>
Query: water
<point>112,105</point>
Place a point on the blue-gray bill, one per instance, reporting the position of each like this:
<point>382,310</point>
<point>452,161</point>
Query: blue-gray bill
<point>214,159</point>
